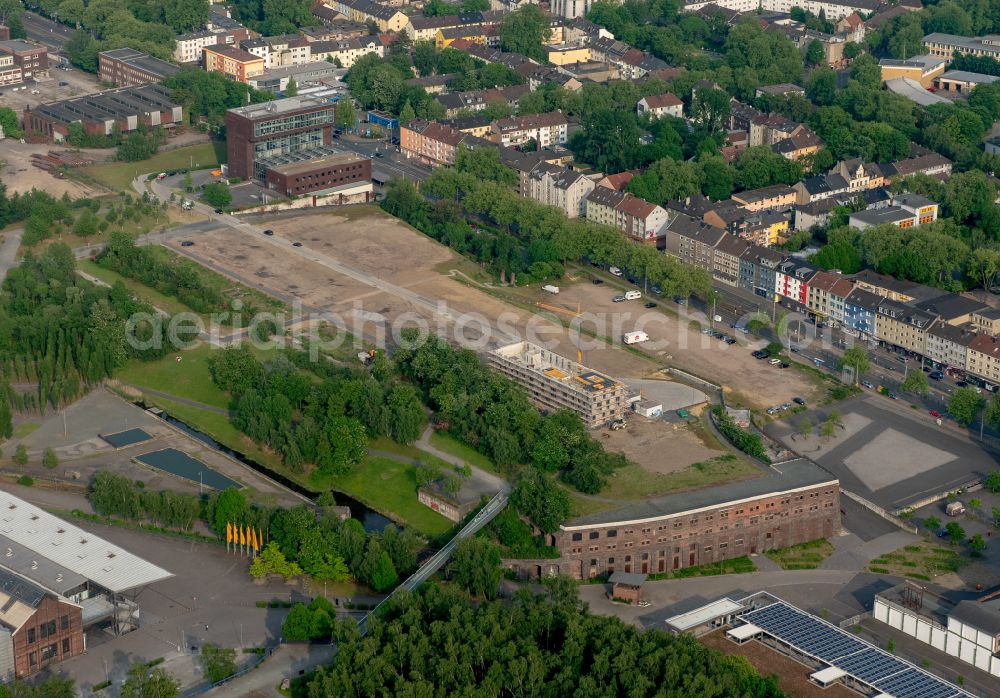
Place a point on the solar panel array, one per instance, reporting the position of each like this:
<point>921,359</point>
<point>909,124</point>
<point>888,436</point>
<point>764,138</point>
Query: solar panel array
<point>868,664</point>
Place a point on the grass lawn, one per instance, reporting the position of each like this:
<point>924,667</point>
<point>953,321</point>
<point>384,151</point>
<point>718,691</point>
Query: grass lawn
<point>140,291</point>
<point>118,176</point>
<point>24,428</point>
<point>188,378</point>
<point>739,565</point>
<point>452,446</point>
<point>391,487</point>
<point>581,506</point>
<point>384,443</point>
<point>805,556</point>
<point>923,560</point>
<point>635,482</point>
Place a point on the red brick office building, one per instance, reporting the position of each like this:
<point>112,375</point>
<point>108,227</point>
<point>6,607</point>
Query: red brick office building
<point>52,633</point>
<point>263,131</point>
<point>322,174</point>
<point>31,59</point>
<point>775,510</point>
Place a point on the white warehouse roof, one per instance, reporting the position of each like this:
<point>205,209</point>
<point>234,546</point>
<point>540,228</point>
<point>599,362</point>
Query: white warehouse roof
<point>60,543</point>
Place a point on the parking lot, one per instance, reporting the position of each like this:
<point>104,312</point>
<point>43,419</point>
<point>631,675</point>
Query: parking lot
<point>677,338</point>
<point>61,84</point>
<point>887,452</point>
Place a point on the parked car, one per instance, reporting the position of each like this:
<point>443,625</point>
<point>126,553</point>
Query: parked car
<point>268,232</point>
<point>786,405</point>
<point>935,414</point>
<point>774,362</point>
<point>773,410</point>
<point>798,401</point>
<point>657,290</point>
<point>650,304</point>
<point>296,244</point>
<point>729,340</point>
<point>633,295</point>
<point>615,270</point>
<point>784,364</point>
<point>936,375</point>
<point>868,384</point>
<point>597,282</point>
<point>186,243</point>
<point>218,210</point>
<point>794,349</point>
<point>962,384</point>
<point>618,424</point>
<point>618,299</point>
<point>680,301</point>
<point>759,354</point>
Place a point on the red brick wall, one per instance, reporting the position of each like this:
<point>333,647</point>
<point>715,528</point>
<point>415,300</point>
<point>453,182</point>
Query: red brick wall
<point>688,540</point>
<point>323,177</point>
<point>67,622</point>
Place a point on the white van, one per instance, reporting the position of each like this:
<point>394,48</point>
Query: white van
<point>632,295</point>
<point>635,337</point>
<point>615,270</point>
<point>549,288</point>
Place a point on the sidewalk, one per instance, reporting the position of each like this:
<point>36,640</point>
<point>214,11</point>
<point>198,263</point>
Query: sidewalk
<point>289,660</point>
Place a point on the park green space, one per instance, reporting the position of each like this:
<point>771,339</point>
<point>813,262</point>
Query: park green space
<point>922,560</point>
<point>633,481</point>
<point>804,556</point>
<point>188,378</point>
<point>390,486</point>
<point>444,441</point>
<point>118,176</point>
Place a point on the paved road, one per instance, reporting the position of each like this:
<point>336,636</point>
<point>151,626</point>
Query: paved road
<point>8,251</point>
<point>388,161</point>
<point>45,31</point>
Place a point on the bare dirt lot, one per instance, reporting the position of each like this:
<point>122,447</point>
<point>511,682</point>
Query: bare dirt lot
<point>390,252</point>
<point>675,343</point>
<point>645,441</point>
<point>793,678</point>
<point>20,175</point>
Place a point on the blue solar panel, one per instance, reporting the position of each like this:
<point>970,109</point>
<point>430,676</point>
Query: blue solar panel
<point>837,648</point>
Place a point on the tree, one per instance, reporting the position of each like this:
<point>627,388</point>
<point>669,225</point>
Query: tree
<point>86,224</point>
<point>9,124</point>
<point>524,31</point>
<point>964,405</point>
<point>544,503</point>
<point>983,265</point>
<point>475,566</point>
<point>50,459</point>
<point>344,114</point>
<point>231,507</point>
<point>932,523</point>
<point>407,113</point>
<point>297,626</point>
<point>425,56</point>
<point>915,382</point>
<point>956,534</point>
<point>827,429</point>
<point>217,195</point>
<point>292,88</point>
<point>814,53</point>
<point>218,663</point>
<point>992,481</point>
<point>856,358</point>
<point>761,167</point>
<point>272,560</point>
<point>975,503</point>
<point>977,544</point>
<point>805,427</point>
<point>21,455</point>
<point>383,575</point>
<point>51,687</point>
<point>609,140</point>
<point>711,108</point>
<point>145,683</point>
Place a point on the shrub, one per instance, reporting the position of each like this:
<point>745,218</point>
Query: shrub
<point>26,481</point>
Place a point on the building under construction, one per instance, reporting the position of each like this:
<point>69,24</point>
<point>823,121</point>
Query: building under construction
<point>555,382</point>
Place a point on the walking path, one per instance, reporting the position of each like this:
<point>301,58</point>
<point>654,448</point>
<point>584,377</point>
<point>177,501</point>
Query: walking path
<point>855,554</point>
<point>8,251</point>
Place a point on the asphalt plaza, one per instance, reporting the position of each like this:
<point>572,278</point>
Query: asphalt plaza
<point>888,453</point>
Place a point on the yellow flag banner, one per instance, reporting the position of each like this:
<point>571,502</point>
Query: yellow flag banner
<point>253,534</point>
<point>243,537</point>
<point>229,532</point>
